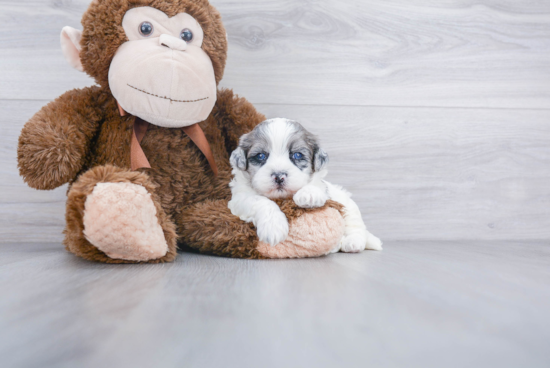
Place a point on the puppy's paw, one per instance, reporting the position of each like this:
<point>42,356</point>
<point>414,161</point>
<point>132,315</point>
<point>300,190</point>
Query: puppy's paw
<point>273,228</point>
<point>352,243</point>
<point>373,243</point>
<point>335,249</point>
<point>357,242</point>
<point>310,197</point>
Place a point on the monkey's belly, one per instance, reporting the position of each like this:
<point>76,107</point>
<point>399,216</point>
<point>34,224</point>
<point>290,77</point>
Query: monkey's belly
<point>183,174</point>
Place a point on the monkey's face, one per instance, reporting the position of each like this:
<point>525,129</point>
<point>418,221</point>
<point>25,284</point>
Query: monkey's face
<point>162,74</point>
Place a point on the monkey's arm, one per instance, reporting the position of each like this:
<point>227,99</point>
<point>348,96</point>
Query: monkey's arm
<point>54,142</point>
<point>235,116</point>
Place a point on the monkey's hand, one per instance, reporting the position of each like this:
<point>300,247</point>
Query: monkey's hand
<point>54,142</point>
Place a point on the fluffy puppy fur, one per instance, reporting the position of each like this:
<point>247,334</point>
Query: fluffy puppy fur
<point>280,159</point>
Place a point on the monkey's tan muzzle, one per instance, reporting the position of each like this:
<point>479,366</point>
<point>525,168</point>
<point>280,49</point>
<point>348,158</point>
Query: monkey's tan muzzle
<point>172,42</point>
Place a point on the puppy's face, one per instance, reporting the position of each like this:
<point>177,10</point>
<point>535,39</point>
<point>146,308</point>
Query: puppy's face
<point>278,157</point>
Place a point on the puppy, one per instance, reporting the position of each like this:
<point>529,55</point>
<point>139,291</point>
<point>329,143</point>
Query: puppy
<point>281,159</point>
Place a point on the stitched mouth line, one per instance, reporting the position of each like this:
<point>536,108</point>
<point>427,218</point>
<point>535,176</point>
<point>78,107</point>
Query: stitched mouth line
<point>166,98</point>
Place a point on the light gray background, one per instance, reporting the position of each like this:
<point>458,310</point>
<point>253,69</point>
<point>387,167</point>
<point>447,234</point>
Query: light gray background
<point>436,115</point>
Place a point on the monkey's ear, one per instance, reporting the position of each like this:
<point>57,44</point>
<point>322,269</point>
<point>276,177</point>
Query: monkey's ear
<point>238,159</point>
<point>70,45</point>
<point>320,160</point>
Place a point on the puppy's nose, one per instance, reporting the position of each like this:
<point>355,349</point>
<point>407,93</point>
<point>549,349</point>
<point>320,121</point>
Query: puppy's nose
<point>279,177</point>
<point>172,42</point>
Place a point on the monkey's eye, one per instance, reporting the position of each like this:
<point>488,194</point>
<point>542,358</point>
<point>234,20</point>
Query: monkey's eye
<point>186,35</point>
<point>146,29</point>
<point>297,156</point>
<point>261,156</point>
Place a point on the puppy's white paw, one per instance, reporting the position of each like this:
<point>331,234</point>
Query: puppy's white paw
<point>310,197</point>
<point>335,249</point>
<point>373,243</point>
<point>357,242</point>
<point>273,228</point>
<point>353,243</point>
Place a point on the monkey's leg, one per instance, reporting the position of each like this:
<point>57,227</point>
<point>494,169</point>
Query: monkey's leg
<point>211,228</point>
<point>114,216</point>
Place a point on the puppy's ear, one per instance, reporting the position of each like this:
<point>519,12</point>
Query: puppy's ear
<point>320,159</point>
<point>238,159</point>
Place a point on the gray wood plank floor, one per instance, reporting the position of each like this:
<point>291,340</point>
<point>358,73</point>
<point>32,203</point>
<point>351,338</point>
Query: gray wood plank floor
<point>416,304</point>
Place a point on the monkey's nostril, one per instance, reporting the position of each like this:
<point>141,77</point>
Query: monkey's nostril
<point>165,45</point>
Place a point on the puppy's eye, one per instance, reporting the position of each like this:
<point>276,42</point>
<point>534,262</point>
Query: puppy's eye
<point>146,29</point>
<point>186,35</point>
<point>297,156</point>
<point>261,156</point>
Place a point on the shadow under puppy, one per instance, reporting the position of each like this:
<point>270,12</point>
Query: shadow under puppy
<point>281,159</point>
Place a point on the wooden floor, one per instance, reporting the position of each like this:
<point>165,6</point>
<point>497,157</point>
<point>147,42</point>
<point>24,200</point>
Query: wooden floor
<point>416,304</point>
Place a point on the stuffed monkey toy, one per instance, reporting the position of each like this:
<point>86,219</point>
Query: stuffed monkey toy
<point>146,151</point>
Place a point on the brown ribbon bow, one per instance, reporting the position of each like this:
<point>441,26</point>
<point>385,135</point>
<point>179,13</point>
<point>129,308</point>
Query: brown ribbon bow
<point>137,156</point>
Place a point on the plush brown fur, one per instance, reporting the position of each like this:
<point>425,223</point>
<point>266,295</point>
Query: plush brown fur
<point>292,211</point>
<point>103,33</point>
<point>56,142</point>
<point>80,138</point>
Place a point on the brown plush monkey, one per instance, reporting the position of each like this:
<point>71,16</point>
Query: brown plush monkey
<point>146,151</point>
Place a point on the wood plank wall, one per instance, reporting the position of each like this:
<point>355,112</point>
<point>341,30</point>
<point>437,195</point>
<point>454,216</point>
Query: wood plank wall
<point>436,114</point>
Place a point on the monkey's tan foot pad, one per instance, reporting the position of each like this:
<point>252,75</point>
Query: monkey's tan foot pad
<point>120,219</point>
<point>313,234</point>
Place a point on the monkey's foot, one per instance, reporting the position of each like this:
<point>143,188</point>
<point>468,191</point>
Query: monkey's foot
<point>120,219</point>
